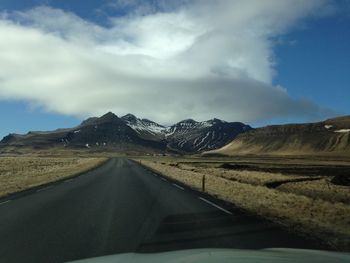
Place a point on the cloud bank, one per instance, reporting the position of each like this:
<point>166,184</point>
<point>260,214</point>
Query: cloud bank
<point>201,59</point>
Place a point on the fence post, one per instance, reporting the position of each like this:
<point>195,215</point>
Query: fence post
<point>203,183</point>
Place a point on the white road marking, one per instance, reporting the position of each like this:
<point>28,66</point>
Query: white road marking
<point>5,202</point>
<point>178,186</point>
<point>218,207</point>
<point>164,179</point>
<point>44,189</point>
<point>67,181</point>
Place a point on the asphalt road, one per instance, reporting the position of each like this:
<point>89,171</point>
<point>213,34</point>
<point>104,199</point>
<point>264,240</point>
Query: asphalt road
<point>123,207</point>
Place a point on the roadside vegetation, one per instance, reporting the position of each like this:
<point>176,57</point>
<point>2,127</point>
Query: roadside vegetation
<point>307,204</point>
<point>20,173</point>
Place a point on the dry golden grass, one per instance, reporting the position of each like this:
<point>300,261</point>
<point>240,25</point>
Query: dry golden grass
<point>320,189</point>
<point>20,173</point>
<point>325,220</point>
<point>248,177</point>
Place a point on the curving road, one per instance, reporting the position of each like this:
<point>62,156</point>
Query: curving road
<point>123,207</point>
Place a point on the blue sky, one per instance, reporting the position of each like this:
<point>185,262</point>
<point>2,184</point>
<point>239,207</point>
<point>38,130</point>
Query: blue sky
<point>317,66</point>
<point>169,63</point>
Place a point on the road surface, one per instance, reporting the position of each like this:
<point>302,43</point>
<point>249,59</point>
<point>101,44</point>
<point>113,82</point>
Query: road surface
<point>123,207</point>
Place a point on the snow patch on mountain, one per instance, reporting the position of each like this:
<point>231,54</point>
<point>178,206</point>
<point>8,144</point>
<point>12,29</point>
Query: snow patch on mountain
<point>203,139</point>
<point>144,125</point>
<point>182,127</point>
<point>169,131</point>
<point>141,127</point>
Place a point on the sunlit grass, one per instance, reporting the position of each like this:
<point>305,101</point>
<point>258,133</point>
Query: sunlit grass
<point>20,173</point>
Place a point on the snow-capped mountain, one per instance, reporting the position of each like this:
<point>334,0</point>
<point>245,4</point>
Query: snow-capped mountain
<point>188,135</point>
<point>192,136</point>
<point>129,133</point>
<point>145,128</point>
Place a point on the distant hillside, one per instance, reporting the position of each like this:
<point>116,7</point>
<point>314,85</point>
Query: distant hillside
<point>129,133</point>
<point>328,137</point>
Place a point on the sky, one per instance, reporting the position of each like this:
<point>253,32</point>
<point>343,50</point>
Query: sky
<point>259,62</point>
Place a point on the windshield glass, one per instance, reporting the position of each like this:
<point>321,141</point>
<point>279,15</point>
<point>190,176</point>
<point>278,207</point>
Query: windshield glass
<point>151,126</point>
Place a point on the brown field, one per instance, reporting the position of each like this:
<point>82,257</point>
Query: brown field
<point>20,173</point>
<point>304,198</point>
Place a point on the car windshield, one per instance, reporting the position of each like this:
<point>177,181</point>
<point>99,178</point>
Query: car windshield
<point>152,130</point>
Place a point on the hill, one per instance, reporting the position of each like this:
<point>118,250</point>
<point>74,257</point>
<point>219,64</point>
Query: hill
<point>327,137</point>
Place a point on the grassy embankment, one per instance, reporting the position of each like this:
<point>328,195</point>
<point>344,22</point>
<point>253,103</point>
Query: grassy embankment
<point>313,207</point>
<point>20,173</point>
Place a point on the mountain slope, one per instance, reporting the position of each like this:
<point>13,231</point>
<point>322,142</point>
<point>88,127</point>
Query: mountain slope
<point>130,133</point>
<point>146,129</point>
<point>192,136</point>
<point>328,137</point>
<point>107,131</point>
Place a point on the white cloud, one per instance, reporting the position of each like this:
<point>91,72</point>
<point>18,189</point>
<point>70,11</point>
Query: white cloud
<point>202,60</point>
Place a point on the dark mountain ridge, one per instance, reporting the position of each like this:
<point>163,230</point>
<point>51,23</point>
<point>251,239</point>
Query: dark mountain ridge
<point>131,133</point>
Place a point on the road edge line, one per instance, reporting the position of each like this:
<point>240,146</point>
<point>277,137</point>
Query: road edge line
<point>215,205</point>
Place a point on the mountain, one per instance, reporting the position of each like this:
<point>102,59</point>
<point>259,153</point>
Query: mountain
<point>146,129</point>
<point>188,136</point>
<point>108,131</point>
<point>192,136</point>
<point>129,133</point>
<point>328,137</point>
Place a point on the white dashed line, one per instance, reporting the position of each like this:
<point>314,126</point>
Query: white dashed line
<point>44,189</point>
<point>178,186</point>
<point>5,202</point>
<point>164,179</point>
<point>218,207</point>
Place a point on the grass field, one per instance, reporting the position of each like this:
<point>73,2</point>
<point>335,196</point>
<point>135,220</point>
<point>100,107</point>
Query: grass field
<point>306,203</point>
<point>20,173</point>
